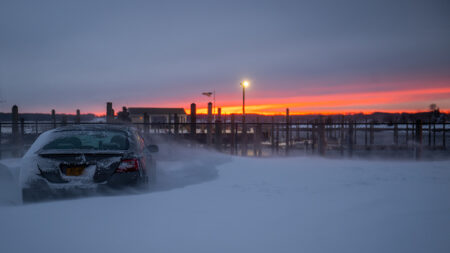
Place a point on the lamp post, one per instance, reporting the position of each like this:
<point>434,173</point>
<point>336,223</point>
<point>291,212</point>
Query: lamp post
<point>244,85</point>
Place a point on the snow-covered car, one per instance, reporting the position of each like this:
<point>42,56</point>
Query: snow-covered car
<point>84,158</point>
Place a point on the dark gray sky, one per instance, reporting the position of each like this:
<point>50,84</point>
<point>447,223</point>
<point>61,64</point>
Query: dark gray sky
<point>80,54</point>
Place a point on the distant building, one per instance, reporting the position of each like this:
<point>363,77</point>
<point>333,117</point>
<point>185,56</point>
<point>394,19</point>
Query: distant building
<point>157,115</point>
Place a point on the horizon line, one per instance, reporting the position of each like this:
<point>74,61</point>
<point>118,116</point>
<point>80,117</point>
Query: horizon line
<point>203,111</point>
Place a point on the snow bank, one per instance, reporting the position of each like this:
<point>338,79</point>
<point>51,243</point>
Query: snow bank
<point>213,203</point>
<point>9,185</point>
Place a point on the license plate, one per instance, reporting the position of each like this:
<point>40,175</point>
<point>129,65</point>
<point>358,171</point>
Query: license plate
<point>74,171</point>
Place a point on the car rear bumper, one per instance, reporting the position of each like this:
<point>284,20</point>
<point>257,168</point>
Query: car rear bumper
<point>41,189</point>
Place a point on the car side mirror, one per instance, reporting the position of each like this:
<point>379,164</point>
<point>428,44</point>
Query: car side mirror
<point>152,148</point>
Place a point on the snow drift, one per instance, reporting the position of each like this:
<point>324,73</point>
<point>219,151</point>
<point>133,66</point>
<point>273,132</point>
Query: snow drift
<point>207,202</point>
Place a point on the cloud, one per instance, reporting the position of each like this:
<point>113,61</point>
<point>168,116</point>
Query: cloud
<point>87,52</point>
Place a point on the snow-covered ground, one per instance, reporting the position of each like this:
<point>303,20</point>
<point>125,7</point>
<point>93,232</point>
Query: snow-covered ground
<point>206,202</point>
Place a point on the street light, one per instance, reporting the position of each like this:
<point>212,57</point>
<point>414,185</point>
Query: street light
<point>244,85</point>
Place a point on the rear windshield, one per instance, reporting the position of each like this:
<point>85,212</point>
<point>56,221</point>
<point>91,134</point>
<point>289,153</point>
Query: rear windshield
<point>88,140</point>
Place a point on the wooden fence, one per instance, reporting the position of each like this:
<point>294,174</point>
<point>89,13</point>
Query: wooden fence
<point>413,140</point>
<point>344,138</point>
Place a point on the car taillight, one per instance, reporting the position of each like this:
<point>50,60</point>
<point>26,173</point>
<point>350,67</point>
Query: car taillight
<point>128,165</point>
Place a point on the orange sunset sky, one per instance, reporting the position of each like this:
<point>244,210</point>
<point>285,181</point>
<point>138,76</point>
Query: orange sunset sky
<point>411,96</point>
<point>394,96</point>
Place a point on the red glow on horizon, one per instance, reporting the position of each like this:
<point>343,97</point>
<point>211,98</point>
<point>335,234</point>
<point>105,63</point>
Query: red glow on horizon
<point>363,102</point>
<point>337,101</point>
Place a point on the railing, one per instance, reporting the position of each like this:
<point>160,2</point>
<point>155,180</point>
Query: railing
<point>408,140</point>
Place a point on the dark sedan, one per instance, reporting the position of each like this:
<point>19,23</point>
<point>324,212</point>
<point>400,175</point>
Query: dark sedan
<point>83,158</point>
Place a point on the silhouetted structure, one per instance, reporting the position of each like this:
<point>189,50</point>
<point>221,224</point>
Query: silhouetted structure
<point>109,113</point>
<point>124,115</point>
<point>157,115</point>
